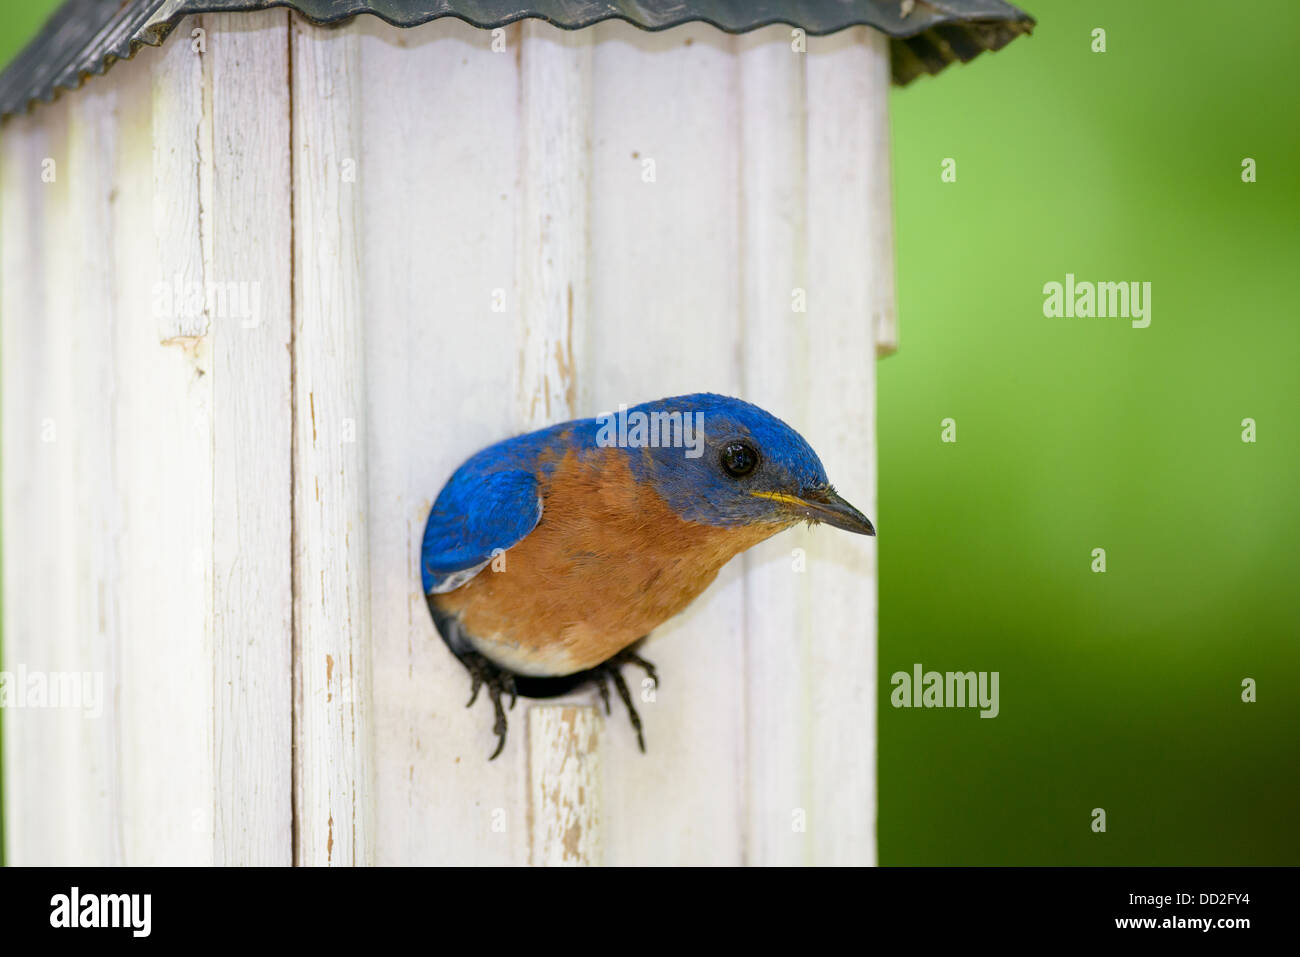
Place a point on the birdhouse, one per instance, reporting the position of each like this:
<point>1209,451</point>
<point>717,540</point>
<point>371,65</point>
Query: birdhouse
<point>267,283</point>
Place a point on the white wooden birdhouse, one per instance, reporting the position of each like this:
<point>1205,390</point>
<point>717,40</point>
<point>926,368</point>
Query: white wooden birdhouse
<point>269,282</point>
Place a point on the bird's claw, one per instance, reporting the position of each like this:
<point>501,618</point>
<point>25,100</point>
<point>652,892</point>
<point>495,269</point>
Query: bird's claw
<point>602,687</point>
<point>631,657</point>
<point>611,669</point>
<point>498,681</point>
<point>477,683</point>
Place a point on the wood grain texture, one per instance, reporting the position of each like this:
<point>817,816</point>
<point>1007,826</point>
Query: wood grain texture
<point>164,471</point>
<point>59,627</point>
<point>32,742</point>
<point>252,423</point>
<point>478,243</point>
<point>92,149</point>
<point>862,53</point>
<point>182,178</point>
<point>331,526</point>
<point>440,189</point>
<point>810,642</point>
<point>552,261</point>
<point>55,645</point>
<point>554,243</point>
<point>851,273</point>
<point>664,275</point>
<point>564,770</point>
<point>773,184</point>
<point>513,310</point>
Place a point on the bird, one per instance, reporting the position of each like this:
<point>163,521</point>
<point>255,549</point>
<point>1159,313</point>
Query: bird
<point>549,557</point>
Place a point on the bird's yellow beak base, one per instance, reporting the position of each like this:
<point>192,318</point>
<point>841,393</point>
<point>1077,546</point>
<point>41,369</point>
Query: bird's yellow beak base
<point>822,505</point>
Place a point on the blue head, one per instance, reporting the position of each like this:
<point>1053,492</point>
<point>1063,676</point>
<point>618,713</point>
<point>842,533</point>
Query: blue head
<point>734,464</point>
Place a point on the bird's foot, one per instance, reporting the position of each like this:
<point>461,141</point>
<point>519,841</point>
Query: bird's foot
<point>611,670</point>
<point>498,681</point>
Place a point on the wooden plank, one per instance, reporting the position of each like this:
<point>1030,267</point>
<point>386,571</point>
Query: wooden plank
<point>869,52</point>
<point>664,276</point>
<point>773,186</point>
<point>555,96</point>
<point>131,547</point>
<point>851,287</point>
<point>182,175</point>
<point>528,178</point>
<point>564,767</point>
<point>62,785</point>
<point>33,773</point>
<point>813,215</point>
<point>19,432</point>
<point>67,487</point>
<point>56,647</point>
<point>252,426</point>
<point>163,470</point>
<point>440,186</point>
<point>89,326</point>
<point>331,576</point>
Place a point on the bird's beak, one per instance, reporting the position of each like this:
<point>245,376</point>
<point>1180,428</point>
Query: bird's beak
<point>822,505</point>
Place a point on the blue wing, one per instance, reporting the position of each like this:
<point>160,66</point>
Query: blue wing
<point>479,511</point>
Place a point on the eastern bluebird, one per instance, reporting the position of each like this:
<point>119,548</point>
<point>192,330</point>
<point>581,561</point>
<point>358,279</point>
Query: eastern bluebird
<point>599,530</point>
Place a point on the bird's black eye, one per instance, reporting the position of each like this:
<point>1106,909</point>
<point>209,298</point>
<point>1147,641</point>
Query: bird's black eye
<point>739,458</point>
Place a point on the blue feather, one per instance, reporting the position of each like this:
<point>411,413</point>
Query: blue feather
<point>480,510</point>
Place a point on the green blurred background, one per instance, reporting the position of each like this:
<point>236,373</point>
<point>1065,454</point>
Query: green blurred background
<point>1119,690</point>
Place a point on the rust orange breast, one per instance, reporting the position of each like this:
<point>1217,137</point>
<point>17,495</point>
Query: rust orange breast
<point>608,562</point>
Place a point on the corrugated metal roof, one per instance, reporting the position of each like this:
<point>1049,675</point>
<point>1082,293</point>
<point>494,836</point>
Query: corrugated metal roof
<point>86,37</point>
